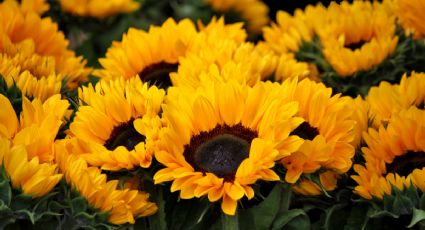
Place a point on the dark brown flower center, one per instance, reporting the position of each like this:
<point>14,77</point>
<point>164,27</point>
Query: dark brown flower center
<point>305,131</point>
<point>124,135</point>
<point>220,150</point>
<point>158,74</point>
<point>355,45</point>
<point>405,164</point>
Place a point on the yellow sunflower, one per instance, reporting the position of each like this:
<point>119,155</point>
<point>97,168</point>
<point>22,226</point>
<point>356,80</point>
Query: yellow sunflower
<point>119,122</point>
<point>357,37</point>
<point>411,15</point>
<point>254,12</point>
<point>285,38</point>
<point>34,75</point>
<point>151,55</point>
<point>392,154</point>
<point>37,6</point>
<point>223,137</point>
<point>98,8</point>
<point>387,99</point>
<point>245,63</point>
<point>328,131</point>
<point>27,31</point>
<point>27,144</point>
<point>124,205</point>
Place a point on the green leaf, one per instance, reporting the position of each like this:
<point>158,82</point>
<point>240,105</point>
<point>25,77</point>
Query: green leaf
<point>422,201</point>
<point>336,217</point>
<point>264,214</point>
<point>229,222</point>
<point>292,219</point>
<point>418,216</point>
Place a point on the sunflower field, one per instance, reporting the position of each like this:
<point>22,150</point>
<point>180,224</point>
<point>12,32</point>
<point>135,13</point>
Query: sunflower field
<point>212,114</point>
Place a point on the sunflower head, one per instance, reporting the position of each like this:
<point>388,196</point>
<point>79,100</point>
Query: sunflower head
<point>27,153</point>
<point>151,55</point>
<point>123,203</point>
<point>394,155</point>
<point>29,34</point>
<point>119,122</point>
<point>222,138</point>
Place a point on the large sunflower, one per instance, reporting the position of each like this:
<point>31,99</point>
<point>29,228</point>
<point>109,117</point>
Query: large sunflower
<point>151,55</point>
<point>387,99</point>
<point>123,204</point>
<point>357,36</point>
<point>392,154</point>
<point>328,131</point>
<point>223,137</point>
<point>119,122</point>
<point>254,12</point>
<point>19,30</point>
<point>411,15</point>
<point>285,37</point>
<point>98,8</point>
<point>27,144</point>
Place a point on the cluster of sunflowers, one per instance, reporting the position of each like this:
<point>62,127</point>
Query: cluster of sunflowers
<point>315,120</point>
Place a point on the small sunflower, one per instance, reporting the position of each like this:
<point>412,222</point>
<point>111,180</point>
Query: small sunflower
<point>27,153</point>
<point>328,131</point>
<point>254,12</point>
<point>28,31</point>
<point>411,15</point>
<point>119,122</point>
<point>387,99</point>
<point>151,55</point>
<point>392,154</point>
<point>357,37</point>
<point>98,8</point>
<point>285,38</point>
<point>124,205</point>
<point>34,75</point>
<point>228,58</point>
<point>223,137</point>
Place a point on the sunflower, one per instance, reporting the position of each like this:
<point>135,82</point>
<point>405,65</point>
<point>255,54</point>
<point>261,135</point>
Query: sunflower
<point>357,36</point>
<point>392,154</point>
<point>387,99</point>
<point>34,75</point>
<point>26,144</point>
<point>28,31</point>
<point>37,6</point>
<point>328,131</point>
<point>151,55</point>
<point>254,12</point>
<point>285,38</point>
<point>124,205</point>
<point>411,15</point>
<point>228,59</point>
<point>98,8</point>
<point>223,137</point>
<point>119,122</point>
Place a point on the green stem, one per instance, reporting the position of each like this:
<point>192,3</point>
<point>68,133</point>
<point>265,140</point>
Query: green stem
<point>229,222</point>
